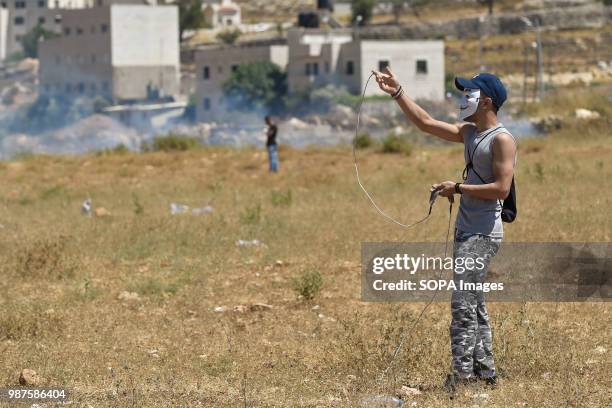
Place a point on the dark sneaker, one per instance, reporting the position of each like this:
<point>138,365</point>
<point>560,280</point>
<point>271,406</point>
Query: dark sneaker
<point>490,381</point>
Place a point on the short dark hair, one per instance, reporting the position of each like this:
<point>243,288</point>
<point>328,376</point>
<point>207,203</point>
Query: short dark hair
<point>495,108</point>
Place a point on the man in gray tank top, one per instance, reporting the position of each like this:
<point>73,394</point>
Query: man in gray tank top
<point>490,157</point>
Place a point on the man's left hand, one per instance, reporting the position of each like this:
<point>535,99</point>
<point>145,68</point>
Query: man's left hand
<point>446,188</point>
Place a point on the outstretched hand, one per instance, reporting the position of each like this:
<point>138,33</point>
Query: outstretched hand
<point>387,82</point>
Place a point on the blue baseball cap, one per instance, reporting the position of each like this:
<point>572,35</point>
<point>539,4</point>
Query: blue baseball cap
<point>488,83</point>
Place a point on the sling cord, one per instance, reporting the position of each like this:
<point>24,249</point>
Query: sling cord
<point>432,200</point>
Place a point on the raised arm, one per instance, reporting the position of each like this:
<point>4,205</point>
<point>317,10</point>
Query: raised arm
<point>388,83</point>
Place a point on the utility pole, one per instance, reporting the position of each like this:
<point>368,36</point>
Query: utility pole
<point>482,28</point>
<point>539,82</point>
<point>525,73</point>
<point>540,76</point>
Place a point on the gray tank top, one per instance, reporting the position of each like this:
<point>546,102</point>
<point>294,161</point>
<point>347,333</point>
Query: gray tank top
<point>479,216</point>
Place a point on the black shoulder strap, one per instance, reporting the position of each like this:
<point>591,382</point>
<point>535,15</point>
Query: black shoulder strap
<point>469,164</point>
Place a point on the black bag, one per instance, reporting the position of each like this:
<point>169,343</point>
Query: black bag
<point>509,210</point>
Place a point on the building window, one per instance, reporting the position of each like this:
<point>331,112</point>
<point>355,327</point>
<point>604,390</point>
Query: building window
<point>3,4</point>
<point>382,64</point>
<point>66,30</point>
<point>315,68</point>
<point>206,72</point>
<point>81,87</point>
<point>206,103</point>
<point>79,30</point>
<point>350,68</point>
<point>19,4</point>
<point>105,86</point>
<point>19,20</point>
<point>421,66</point>
<point>41,3</point>
<point>41,20</point>
<point>307,70</point>
<point>234,68</point>
<point>104,28</point>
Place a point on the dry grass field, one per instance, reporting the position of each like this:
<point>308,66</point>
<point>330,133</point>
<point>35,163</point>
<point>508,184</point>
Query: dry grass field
<point>120,308</point>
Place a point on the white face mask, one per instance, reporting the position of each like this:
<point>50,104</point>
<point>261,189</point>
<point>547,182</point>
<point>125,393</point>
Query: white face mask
<point>469,103</point>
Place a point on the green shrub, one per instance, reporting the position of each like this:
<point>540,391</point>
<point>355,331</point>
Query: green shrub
<point>138,208</point>
<point>229,36</point>
<point>308,284</point>
<point>251,215</point>
<point>363,140</point>
<point>539,170</point>
<point>281,198</point>
<point>169,143</point>
<point>393,143</point>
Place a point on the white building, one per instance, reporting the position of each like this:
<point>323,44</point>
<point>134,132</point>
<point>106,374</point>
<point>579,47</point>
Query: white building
<point>319,57</point>
<point>19,17</point>
<point>221,13</point>
<point>125,52</point>
<point>214,65</point>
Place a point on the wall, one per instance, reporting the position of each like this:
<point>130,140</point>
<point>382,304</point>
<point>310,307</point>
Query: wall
<point>74,59</point>
<point>309,46</point>
<point>31,15</point>
<point>220,61</point>
<point>145,49</point>
<point>403,56</point>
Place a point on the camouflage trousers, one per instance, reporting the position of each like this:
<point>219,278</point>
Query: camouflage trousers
<point>470,332</point>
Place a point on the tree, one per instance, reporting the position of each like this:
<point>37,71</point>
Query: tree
<point>415,5</point>
<point>489,4</point>
<point>398,8</point>
<point>258,85</point>
<point>29,42</point>
<point>363,8</point>
<point>229,36</point>
<point>190,16</point>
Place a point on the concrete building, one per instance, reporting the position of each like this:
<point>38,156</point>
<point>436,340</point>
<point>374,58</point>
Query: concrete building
<point>19,17</point>
<point>125,52</point>
<point>223,13</point>
<point>315,58</point>
<point>215,64</point>
<point>319,57</point>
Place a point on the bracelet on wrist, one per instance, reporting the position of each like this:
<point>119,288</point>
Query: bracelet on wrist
<point>457,188</point>
<point>400,92</point>
<point>397,92</point>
